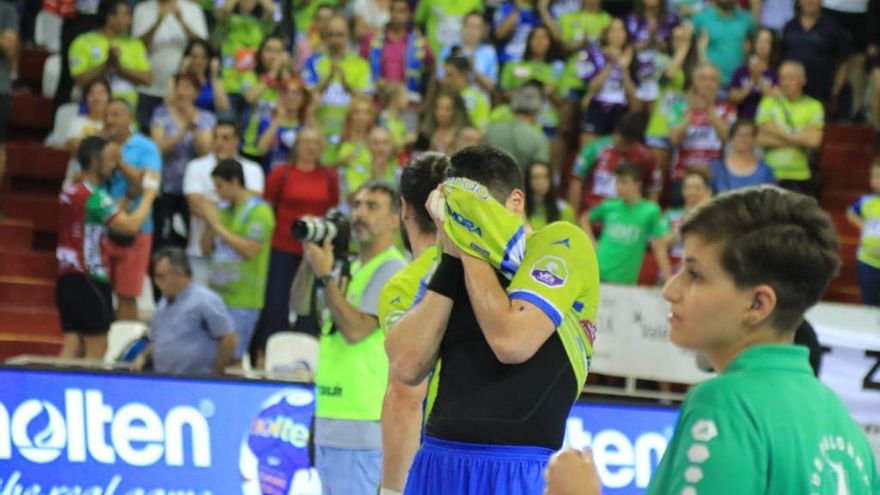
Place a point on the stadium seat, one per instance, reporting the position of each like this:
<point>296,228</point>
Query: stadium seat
<point>63,116</point>
<point>121,334</point>
<point>51,75</point>
<point>288,353</point>
<point>47,31</point>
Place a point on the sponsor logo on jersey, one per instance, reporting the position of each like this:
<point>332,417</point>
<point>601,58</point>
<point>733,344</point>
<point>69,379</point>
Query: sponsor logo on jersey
<point>550,271</point>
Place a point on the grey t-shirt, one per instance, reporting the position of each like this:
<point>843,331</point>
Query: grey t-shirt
<point>8,22</point>
<point>185,332</point>
<point>524,141</point>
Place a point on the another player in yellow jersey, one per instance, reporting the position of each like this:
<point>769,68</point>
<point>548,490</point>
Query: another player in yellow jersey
<point>402,409</point>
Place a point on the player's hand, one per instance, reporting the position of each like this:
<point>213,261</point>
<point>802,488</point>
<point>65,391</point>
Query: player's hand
<point>436,206</point>
<point>572,472</point>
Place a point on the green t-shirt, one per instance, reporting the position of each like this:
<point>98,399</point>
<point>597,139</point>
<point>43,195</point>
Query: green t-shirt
<point>766,426</point>
<point>868,209</point>
<point>333,103</point>
<point>352,382</point>
<point>669,108</point>
<point>261,112</point>
<point>443,20</point>
<point>626,229</point>
<point>586,159</point>
<point>402,292</point>
<point>789,162</point>
<point>241,282</point>
<point>240,39</point>
<point>407,286</point>
<point>478,107</point>
<point>357,171</point>
<point>90,50</point>
<point>303,15</point>
<point>396,126</point>
<point>578,26</point>
<point>100,208</point>
<point>538,219</point>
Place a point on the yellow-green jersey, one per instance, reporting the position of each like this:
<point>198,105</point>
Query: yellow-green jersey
<point>790,162</point>
<point>560,275</point>
<point>91,50</point>
<point>480,399</point>
<point>404,291</point>
<point>443,20</point>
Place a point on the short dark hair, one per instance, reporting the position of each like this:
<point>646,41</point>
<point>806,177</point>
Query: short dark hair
<point>176,256</point>
<point>494,168</point>
<point>95,82</point>
<point>460,62</point>
<point>417,179</point>
<point>631,127</point>
<point>703,173</point>
<point>631,170</point>
<point>378,185</point>
<point>775,237</point>
<point>743,122</point>
<point>228,123</point>
<point>89,148</point>
<point>107,8</point>
<point>122,102</point>
<point>229,169</point>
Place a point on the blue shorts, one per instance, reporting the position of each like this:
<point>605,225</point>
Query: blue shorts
<point>347,471</point>
<point>461,468</point>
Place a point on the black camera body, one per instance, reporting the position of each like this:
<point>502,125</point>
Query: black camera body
<point>334,226</point>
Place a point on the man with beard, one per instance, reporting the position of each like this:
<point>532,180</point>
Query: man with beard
<point>402,415</point>
<point>353,370</point>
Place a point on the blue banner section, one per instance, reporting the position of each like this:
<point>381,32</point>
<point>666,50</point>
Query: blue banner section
<point>119,434</point>
<point>627,442</point>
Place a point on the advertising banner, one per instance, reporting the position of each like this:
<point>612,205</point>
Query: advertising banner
<point>84,433</point>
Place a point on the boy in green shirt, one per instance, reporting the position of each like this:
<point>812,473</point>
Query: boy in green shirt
<point>755,260</point>
<point>628,223</point>
<point>238,241</point>
<point>110,52</point>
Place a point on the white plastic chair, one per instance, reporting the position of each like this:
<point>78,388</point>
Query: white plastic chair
<point>51,75</point>
<point>120,335</point>
<point>47,31</point>
<point>63,117</point>
<point>290,353</point>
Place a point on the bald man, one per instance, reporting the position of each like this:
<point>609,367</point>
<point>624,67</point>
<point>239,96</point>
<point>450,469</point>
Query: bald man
<point>790,128</point>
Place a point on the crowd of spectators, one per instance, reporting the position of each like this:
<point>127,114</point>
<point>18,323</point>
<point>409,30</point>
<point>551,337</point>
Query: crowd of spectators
<point>609,116</point>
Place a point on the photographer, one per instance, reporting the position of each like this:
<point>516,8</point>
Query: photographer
<point>353,370</point>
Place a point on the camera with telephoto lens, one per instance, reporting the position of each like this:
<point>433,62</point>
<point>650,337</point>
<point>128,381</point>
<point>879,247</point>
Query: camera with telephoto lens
<point>334,226</point>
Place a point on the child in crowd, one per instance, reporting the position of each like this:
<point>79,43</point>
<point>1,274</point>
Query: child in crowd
<point>629,222</point>
<point>865,215</point>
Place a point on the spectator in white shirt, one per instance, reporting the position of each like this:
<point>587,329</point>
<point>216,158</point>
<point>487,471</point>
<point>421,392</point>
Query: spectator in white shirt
<point>200,192</point>
<point>166,27</point>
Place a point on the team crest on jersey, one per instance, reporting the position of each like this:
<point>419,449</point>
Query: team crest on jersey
<point>550,271</point>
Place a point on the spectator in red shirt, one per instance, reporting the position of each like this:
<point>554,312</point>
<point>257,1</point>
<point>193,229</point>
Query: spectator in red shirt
<point>300,188</point>
<point>595,166</point>
<point>701,135</point>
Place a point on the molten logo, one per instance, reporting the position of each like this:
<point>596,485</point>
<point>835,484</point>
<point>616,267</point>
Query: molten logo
<point>41,433</point>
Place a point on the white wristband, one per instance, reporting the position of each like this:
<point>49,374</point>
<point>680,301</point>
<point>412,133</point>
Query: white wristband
<point>389,491</point>
<point>150,181</point>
